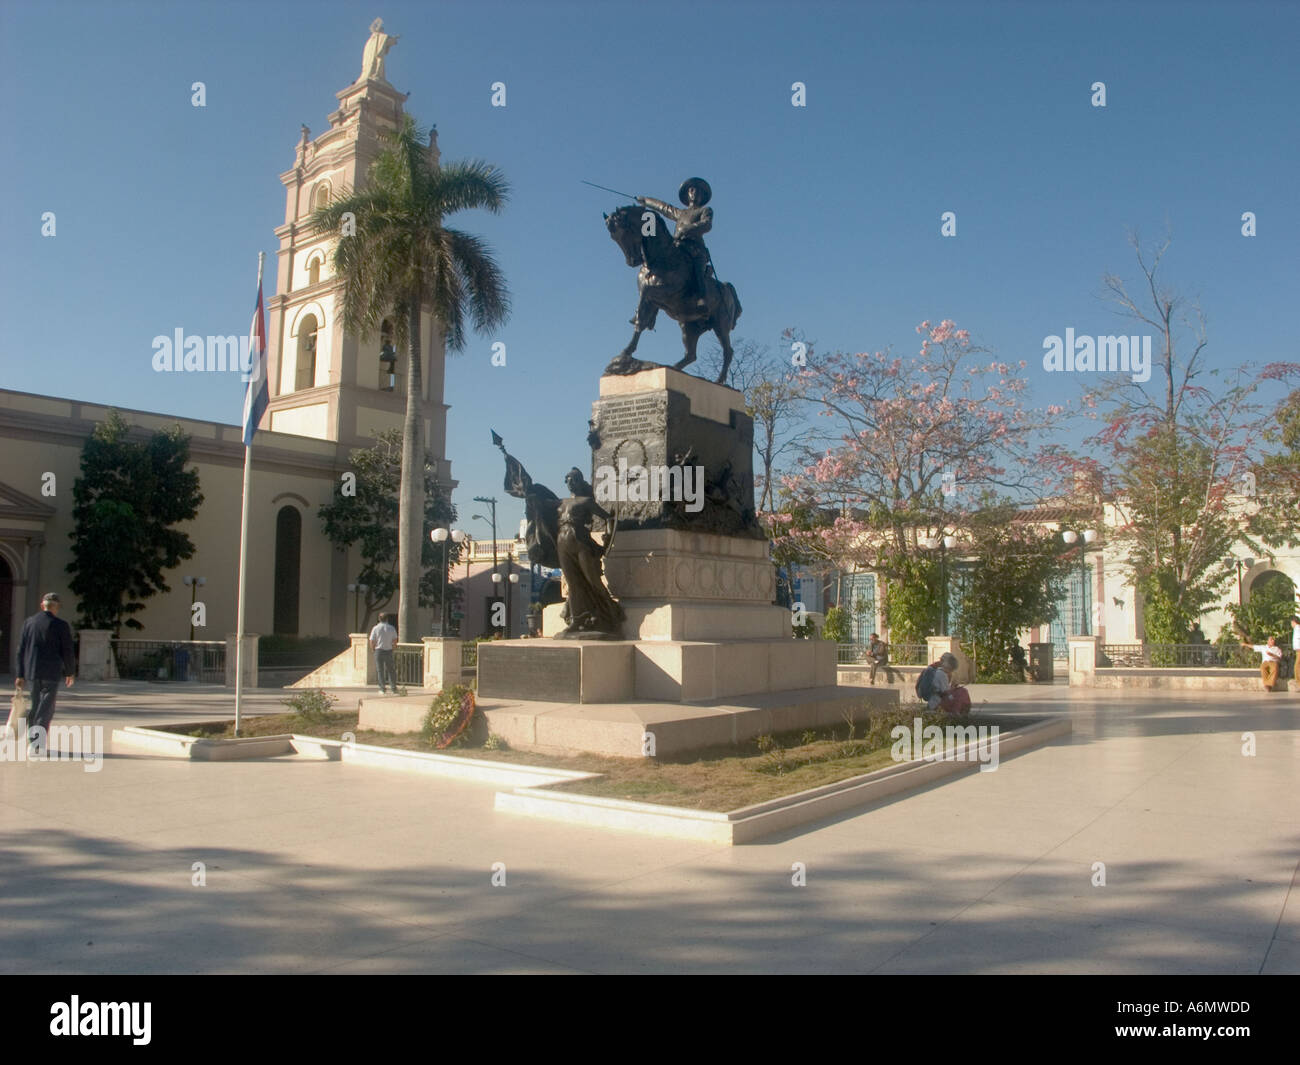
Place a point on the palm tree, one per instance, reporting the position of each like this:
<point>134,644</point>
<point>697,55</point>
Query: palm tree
<point>397,260</point>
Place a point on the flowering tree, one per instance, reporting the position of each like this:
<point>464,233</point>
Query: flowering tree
<point>915,446</point>
<point>1177,451</point>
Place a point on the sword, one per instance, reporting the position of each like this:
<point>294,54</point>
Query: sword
<point>604,188</point>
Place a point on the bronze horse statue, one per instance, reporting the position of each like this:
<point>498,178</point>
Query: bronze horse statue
<point>663,282</point>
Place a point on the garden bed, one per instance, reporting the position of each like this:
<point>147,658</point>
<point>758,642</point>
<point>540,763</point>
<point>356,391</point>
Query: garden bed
<point>723,778</point>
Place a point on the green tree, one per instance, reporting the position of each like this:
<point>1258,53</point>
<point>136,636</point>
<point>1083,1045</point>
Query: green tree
<point>1277,479</point>
<point>838,625</point>
<point>1272,604</point>
<point>370,520</point>
<point>1014,582</point>
<point>400,262</point>
<point>129,497</point>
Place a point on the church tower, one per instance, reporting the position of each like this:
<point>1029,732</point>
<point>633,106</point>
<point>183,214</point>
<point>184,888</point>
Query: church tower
<point>326,383</point>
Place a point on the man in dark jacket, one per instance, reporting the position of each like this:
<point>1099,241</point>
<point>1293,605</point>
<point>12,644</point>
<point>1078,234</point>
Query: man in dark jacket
<point>44,657</point>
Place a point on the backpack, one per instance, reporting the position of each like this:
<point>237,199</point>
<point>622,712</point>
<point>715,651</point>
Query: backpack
<point>925,683</point>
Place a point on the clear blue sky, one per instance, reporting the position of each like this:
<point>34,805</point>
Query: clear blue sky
<point>827,217</point>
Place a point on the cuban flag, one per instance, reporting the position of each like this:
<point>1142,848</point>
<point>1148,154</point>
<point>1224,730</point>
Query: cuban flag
<point>258,393</point>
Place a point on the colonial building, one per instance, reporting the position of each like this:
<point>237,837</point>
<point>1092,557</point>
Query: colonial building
<point>1098,598</point>
<point>330,391</point>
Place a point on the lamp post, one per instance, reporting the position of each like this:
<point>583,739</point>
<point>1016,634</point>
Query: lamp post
<point>356,590</point>
<point>442,536</point>
<point>1072,537</point>
<point>195,584</point>
<point>944,544</point>
<point>1247,562</point>
<point>492,502</point>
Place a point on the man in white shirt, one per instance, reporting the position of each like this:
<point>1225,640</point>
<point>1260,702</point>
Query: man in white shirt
<point>1270,663</point>
<point>383,638</point>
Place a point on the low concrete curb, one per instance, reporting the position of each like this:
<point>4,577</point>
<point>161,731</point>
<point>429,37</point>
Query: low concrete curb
<point>502,774</point>
<point>753,822</point>
<point>200,750</point>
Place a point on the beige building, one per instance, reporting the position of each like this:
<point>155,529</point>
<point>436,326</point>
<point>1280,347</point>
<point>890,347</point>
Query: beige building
<point>330,392</point>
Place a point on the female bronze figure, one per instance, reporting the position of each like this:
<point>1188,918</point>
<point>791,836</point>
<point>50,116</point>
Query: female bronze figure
<point>591,613</point>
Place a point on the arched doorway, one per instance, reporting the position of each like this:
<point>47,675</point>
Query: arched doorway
<point>288,559</point>
<point>1270,603</point>
<point>7,638</point>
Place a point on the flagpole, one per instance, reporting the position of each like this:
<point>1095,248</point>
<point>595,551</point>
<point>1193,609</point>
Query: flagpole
<point>243,549</point>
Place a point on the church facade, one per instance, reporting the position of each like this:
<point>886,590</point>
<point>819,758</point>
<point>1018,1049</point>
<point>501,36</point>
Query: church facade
<point>330,392</point>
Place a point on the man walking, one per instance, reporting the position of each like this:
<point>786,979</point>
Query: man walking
<point>44,657</point>
<point>383,638</point>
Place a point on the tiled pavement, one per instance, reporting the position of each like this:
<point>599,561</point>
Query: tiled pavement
<point>325,867</point>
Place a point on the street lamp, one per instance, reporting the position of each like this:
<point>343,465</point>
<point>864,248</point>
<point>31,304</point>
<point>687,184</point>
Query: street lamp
<point>195,584</point>
<point>356,589</point>
<point>943,544</point>
<point>492,502</point>
<point>441,536</point>
<point>1072,537</point>
<point>1247,562</point>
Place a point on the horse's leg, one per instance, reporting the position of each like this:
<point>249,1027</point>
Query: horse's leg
<point>626,353</point>
<point>690,339</point>
<point>724,338</point>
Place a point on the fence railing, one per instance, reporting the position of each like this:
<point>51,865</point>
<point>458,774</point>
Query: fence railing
<point>408,660</point>
<point>202,661</point>
<point>1177,656</point>
<point>900,654</point>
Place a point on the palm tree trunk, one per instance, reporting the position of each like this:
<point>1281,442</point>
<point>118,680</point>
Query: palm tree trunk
<point>410,500</point>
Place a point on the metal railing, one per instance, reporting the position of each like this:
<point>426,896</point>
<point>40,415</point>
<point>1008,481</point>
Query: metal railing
<point>408,660</point>
<point>202,661</point>
<point>1176,656</point>
<point>900,654</point>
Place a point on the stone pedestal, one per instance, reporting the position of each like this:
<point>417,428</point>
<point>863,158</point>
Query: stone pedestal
<point>942,645</point>
<point>691,571</point>
<point>1083,661</point>
<point>695,443</point>
<point>442,668</point>
<point>95,655</point>
<point>678,585</point>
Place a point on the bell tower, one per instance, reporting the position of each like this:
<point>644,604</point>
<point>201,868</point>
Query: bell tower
<point>325,382</point>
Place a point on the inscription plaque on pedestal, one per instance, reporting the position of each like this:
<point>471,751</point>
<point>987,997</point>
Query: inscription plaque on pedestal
<point>511,671</point>
<point>680,452</point>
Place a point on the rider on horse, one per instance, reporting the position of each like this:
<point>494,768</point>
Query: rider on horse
<point>691,223</point>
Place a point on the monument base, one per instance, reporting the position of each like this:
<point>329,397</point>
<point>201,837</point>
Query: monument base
<point>591,671</point>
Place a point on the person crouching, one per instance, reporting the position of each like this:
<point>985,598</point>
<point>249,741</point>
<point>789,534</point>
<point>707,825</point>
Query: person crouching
<point>937,688</point>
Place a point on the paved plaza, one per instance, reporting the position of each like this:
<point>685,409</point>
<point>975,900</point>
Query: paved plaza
<point>321,867</point>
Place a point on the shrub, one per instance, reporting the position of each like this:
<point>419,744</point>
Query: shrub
<point>454,720</point>
<point>837,625</point>
<point>311,707</point>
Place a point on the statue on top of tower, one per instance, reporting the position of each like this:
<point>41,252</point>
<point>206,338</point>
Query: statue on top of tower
<point>378,46</point>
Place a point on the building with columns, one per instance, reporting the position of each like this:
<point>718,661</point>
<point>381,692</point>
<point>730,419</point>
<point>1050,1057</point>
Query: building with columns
<point>329,393</point>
